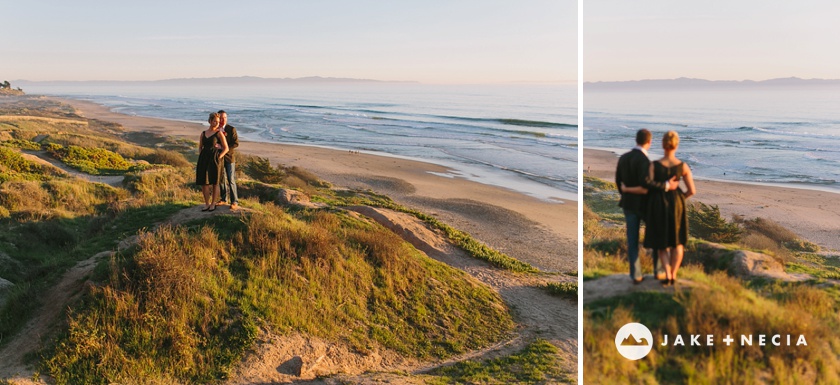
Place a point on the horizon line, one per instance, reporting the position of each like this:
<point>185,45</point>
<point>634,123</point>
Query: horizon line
<point>709,80</point>
<point>303,78</point>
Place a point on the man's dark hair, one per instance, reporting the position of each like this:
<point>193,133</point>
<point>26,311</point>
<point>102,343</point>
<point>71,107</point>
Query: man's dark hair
<point>642,136</point>
<point>222,112</point>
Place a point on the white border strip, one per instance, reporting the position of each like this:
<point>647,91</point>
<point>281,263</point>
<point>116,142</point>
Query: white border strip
<point>580,188</point>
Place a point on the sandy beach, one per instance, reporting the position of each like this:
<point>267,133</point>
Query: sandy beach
<point>539,232</point>
<point>812,214</point>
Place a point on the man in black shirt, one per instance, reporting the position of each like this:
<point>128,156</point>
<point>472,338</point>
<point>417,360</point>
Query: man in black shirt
<point>228,184</point>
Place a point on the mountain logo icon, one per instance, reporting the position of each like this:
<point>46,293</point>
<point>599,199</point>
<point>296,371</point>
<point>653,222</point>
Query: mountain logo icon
<point>634,341</point>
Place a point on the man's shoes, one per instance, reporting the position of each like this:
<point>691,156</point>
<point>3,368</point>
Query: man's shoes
<point>234,206</point>
<point>638,281</point>
<point>661,276</point>
<point>220,203</point>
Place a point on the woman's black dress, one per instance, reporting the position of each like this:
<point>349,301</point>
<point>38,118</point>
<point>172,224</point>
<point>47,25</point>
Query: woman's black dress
<point>209,169</point>
<point>666,220</point>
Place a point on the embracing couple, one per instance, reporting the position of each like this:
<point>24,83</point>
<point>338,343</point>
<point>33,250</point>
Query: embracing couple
<point>216,170</point>
<point>650,192</point>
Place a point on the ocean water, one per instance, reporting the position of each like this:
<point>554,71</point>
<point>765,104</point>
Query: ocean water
<point>770,136</point>
<point>521,137</point>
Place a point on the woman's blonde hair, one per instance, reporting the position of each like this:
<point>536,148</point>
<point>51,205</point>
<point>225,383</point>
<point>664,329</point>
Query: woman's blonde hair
<point>213,116</point>
<point>671,140</point>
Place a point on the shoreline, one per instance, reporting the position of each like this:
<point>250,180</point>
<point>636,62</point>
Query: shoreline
<point>530,229</point>
<point>810,213</point>
<point>541,187</point>
<point>795,186</point>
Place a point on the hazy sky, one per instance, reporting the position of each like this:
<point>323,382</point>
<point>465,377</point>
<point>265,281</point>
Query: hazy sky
<point>436,41</point>
<point>713,39</point>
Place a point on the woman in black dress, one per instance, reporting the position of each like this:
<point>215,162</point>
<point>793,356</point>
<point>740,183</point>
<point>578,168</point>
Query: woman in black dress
<point>666,219</point>
<point>212,148</point>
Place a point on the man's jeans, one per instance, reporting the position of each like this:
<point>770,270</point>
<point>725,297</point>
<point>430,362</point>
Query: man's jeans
<point>228,185</point>
<point>634,223</point>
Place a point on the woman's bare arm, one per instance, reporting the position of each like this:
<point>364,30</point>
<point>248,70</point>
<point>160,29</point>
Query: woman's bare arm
<point>689,182</point>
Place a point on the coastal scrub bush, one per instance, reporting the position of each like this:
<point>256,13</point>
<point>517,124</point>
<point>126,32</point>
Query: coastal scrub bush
<point>567,290</point>
<point>13,166</point>
<point>802,245</point>
<point>94,161</point>
<point>761,242</point>
<point>770,229</point>
<point>168,157</point>
<point>782,238</point>
<point>22,144</point>
<point>602,197</point>
<point>162,184</point>
<point>705,222</point>
<point>308,177</point>
<point>260,169</point>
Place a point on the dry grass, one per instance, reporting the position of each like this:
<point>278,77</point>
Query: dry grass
<point>162,185</point>
<point>34,200</point>
<point>770,229</point>
<point>726,307</point>
<point>260,169</point>
<point>161,312</point>
<point>767,235</point>
<point>186,304</point>
<point>721,305</point>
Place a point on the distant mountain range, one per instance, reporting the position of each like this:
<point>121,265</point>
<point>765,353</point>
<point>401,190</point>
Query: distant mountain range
<point>691,83</point>
<point>219,81</point>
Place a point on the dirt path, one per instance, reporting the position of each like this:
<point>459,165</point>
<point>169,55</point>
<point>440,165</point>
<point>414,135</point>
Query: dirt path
<point>620,284</point>
<point>41,157</point>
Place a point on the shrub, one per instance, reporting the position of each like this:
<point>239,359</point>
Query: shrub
<point>802,245</point>
<point>770,229</point>
<point>260,169</point>
<point>94,161</point>
<point>160,184</point>
<point>779,235</point>
<point>14,166</point>
<point>22,144</point>
<point>761,242</point>
<point>168,157</point>
<point>567,290</point>
<point>308,177</point>
<point>705,222</point>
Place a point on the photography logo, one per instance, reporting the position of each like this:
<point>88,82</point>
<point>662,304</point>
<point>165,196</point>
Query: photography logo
<point>634,341</point>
